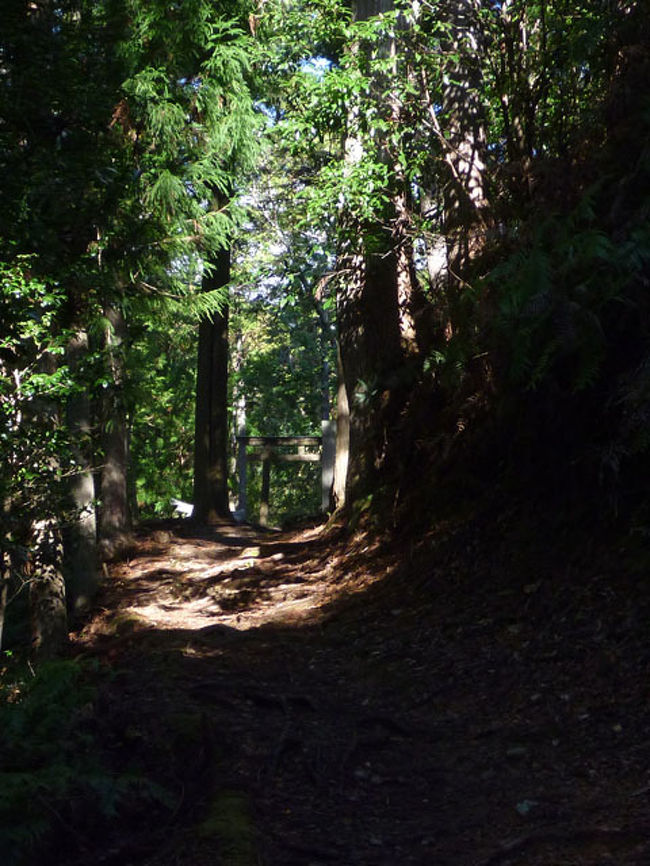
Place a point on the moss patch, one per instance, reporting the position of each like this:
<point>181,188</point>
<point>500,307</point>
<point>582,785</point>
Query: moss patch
<point>228,821</point>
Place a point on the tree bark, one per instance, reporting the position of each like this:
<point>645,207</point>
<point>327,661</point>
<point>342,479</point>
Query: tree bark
<point>327,341</point>
<point>239,429</point>
<point>115,519</point>
<point>342,436</point>
<point>374,308</point>
<point>5,577</point>
<point>211,426</point>
<point>371,358</point>
<point>464,193</point>
<point>80,537</point>
<point>47,591</point>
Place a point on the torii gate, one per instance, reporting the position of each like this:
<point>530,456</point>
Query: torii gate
<point>270,448</point>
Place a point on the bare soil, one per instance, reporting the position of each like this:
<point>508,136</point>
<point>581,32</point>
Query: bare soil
<point>308,698</point>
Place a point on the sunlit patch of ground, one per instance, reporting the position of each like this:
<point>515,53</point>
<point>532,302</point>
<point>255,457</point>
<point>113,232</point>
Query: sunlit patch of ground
<point>236,579</point>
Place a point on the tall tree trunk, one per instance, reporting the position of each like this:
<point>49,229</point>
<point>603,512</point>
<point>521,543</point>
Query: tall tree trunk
<point>47,590</point>
<point>211,430</point>
<point>326,339</point>
<point>464,193</point>
<point>342,435</point>
<point>371,358</point>
<point>328,426</point>
<point>410,300</point>
<point>115,519</point>
<point>80,536</point>
<point>5,577</point>
<point>239,429</point>
<point>374,309</point>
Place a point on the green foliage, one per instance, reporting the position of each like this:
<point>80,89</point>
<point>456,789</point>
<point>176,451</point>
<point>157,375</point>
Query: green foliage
<point>280,375</point>
<point>548,69</point>
<point>33,443</point>
<point>163,360</point>
<point>187,122</point>
<point>55,789</point>
<point>295,492</point>
<point>555,295</point>
<point>129,149</point>
<point>362,120</point>
<point>124,125</point>
<point>282,320</point>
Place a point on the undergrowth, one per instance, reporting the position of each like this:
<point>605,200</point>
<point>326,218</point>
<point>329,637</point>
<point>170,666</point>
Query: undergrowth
<point>57,788</point>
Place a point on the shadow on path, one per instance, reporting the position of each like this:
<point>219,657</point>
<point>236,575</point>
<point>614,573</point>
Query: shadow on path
<point>340,703</point>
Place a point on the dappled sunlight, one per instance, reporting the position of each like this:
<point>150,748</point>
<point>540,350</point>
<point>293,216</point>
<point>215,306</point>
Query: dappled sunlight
<point>231,577</point>
<point>401,692</point>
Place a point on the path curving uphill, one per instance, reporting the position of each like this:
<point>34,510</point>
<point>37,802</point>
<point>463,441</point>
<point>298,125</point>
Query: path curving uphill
<point>306,701</point>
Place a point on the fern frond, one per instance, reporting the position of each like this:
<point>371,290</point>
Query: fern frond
<point>191,307</point>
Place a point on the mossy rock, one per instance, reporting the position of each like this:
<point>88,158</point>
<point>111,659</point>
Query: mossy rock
<point>228,821</point>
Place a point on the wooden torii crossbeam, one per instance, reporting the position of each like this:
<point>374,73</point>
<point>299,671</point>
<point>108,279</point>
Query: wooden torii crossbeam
<point>270,449</point>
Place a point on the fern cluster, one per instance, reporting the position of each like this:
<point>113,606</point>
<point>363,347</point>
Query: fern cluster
<point>56,786</point>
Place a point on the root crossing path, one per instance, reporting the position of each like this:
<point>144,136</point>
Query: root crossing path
<point>305,703</point>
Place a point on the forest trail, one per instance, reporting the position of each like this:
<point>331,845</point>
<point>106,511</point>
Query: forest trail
<point>308,702</point>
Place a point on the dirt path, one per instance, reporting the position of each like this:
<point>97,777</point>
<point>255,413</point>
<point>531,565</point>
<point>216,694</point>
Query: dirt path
<point>341,704</point>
